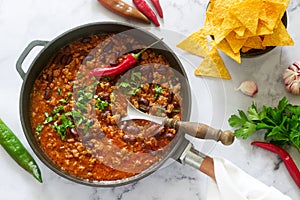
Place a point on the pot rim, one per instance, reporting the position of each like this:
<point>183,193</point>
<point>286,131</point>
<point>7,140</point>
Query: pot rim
<point>26,124</point>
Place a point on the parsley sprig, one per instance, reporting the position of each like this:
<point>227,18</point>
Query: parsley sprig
<point>282,123</point>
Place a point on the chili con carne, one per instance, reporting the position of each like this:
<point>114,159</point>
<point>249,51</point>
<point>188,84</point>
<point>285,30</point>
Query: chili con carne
<point>146,10</point>
<point>124,65</point>
<point>287,159</point>
<point>157,7</point>
<point>17,151</point>
<point>124,9</point>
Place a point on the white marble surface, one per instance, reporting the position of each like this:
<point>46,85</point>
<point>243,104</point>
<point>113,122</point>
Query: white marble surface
<point>213,102</point>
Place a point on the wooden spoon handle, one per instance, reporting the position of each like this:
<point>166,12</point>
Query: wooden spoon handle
<point>201,131</point>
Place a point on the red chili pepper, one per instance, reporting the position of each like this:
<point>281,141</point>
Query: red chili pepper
<point>157,7</point>
<point>287,159</point>
<point>123,66</point>
<point>146,10</point>
<point>122,8</point>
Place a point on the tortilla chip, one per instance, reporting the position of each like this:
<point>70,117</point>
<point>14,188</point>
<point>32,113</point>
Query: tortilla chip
<point>234,43</point>
<point>245,49</point>
<point>249,15</point>
<point>213,66</point>
<point>247,34</point>
<point>280,37</point>
<point>236,27</point>
<point>225,47</point>
<point>254,42</point>
<point>274,13</point>
<point>229,23</point>
<point>196,44</point>
<point>240,31</point>
<point>262,29</point>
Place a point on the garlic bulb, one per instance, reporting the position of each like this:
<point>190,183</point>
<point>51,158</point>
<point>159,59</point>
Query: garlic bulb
<point>291,77</point>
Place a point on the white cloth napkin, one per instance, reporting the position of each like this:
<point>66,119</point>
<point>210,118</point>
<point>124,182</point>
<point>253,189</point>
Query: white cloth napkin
<point>232,183</point>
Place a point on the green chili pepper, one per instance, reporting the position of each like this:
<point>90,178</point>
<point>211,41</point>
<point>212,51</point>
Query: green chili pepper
<point>17,151</point>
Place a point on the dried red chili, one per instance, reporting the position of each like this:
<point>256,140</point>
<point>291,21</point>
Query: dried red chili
<point>287,159</point>
<point>146,10</point>
<point>124,9</point>
<point>124,65</point>
<point>157,7</point>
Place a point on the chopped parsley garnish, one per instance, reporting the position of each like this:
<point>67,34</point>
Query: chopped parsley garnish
<point>107,78</point>
<point>176,111</point>
<point>158,91</point>
<point>124,84</point>
<point>101,104</point>
<point>39,128</point>
<point>48,119</point>
<point>61,129</point>
<point>59,91</point>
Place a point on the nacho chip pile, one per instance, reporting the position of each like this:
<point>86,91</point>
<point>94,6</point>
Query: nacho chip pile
<point>235,26</point>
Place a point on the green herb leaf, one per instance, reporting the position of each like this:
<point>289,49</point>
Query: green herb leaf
<point>101,104</point>
<point>282,123</point>
<point>39,128</point>
<point>247,130</point>
<point>158,91</point>
<point>57,109</point>
<point>107,78</point>
<point>59,91</point>
<point>135,75</point>
<point>124,84</point>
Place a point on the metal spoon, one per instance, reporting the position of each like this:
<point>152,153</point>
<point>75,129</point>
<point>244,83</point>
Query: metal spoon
<point>194,129</point>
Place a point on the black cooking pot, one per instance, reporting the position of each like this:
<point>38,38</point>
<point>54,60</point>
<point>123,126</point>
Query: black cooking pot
<point>181,150</point>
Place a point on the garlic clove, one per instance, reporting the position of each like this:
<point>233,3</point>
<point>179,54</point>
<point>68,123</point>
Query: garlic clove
<point>248,88</point>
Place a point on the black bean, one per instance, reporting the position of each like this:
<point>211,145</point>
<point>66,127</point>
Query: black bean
<point>176,104</point>
<point>144,108</point>
<point>105,113</point>
<point>74,131</point>
<point>66,59</point>
<point>57,58</point>
<point>47,94</point>
<point>83,53</point>
<point>108,47</point>
<point>129,139</point>
<point>87,137</point>
<point>67,49</point>
<point>162,70</point>
<point>170,97</point>
<point>153,153</point>
<point>86,40</point>
<point>145,69</point>
<point>87,58</point>
<point>123,125</point>
<point>113,62</point>
<point>132,129</point>
<point>143,101</point>
<point>105,97</point>
<point>170,136</point>
<point>49,78</point>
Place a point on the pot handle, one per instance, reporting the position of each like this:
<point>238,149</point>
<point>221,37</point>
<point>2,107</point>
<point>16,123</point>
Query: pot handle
<point>26,51</point>
<point>198,160</point>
